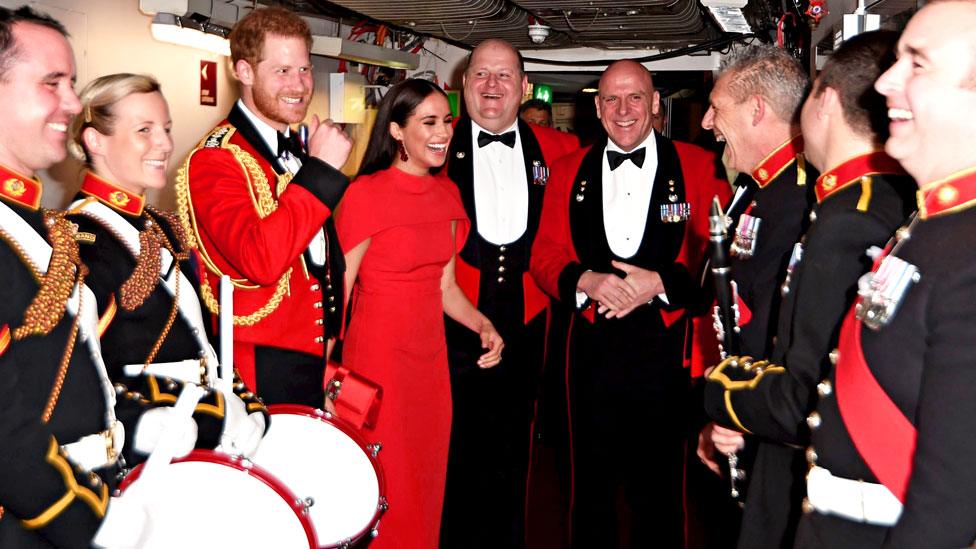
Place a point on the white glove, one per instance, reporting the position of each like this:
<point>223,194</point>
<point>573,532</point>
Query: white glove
<point>127,524</point>
<point>242,431</point>
<point>152,424</point>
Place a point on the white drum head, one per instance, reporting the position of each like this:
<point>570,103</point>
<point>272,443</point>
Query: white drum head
<point>316,459</point>
<point>213,502</point>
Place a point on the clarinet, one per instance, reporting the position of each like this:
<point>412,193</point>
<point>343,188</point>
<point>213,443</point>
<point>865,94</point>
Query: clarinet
<point>726,311</point>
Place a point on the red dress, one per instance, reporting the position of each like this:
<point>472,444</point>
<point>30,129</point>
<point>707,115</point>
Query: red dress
<point>396,337</point>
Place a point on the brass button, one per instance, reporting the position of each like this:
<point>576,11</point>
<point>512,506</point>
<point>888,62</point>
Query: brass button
<point>315,287</point>
<point>501,269</point>
<point>332,309</point>
<point>317,305</point>
<point>502,248</point>
<point>319,339</point>
<point>501,279</point>
<point>814,420</point>
<point>807,506</point>
<point>331,298</point>
<point>824,388</point>
<point>811,456</point>
<point>834,356</point>
<point>329,287</point>
<point>501,258</point>
<point>319,321</point>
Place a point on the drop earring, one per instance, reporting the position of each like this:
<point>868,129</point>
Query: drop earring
<point>403,151</point>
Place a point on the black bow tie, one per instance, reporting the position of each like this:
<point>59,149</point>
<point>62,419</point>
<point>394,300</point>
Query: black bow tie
<point>289,144</point>
<point>616,158</point>
<point>507,139</point>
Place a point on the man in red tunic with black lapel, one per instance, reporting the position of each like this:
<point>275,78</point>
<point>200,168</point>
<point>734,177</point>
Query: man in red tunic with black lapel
<point>610,244</point>
<point>501,167</point>
<point>257,203</point>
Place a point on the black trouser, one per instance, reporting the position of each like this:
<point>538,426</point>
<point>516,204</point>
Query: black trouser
<point>628,397</point>
<point>289,377</point>
<point>776,487</point>
<point>484,503</point>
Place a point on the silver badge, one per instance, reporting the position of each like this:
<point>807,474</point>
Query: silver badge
<point>795,258</point>
<point>881,292</point>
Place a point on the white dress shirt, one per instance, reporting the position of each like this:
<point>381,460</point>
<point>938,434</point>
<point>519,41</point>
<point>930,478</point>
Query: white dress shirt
<point>627,198</point>
<point>501,193</point>
<point>627,202</point>
<point>289,162</point>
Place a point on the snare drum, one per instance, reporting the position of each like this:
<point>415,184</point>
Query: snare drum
<point>208,499</point>
<point>323,460</point>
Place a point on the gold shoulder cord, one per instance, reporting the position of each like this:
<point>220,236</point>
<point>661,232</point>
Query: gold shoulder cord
<point>264,204</point>
<point>146,276</point>
<point>65,272</point>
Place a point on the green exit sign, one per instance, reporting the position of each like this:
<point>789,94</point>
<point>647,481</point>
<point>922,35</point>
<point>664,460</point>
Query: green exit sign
<point>543,92</point>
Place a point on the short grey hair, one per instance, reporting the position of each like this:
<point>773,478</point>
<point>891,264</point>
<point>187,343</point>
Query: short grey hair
<point>770,72</point>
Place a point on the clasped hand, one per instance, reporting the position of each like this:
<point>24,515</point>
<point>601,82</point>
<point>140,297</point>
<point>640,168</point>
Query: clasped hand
<point>616,297</point>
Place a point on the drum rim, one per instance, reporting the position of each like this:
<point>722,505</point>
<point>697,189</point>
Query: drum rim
<point>252,469</point>
<point>353,433</point>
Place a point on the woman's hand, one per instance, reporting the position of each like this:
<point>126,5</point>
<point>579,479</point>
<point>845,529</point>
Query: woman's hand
<point>491,340</point>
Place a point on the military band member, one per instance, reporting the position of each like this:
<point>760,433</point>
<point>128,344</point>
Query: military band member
<point>152,330</point>
<point>501,166</point>
<point>863,195</point>
<point>892,440</point>
<point>754,108</point>
<point>257,203</point>
<point>59,436</point>
<point>613,228</point>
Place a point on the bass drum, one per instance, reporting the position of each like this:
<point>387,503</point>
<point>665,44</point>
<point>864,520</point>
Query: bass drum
<point>328,465</point>
<point>209,499</point>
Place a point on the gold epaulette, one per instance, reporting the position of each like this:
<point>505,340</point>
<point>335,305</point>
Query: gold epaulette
<point>750,372</point>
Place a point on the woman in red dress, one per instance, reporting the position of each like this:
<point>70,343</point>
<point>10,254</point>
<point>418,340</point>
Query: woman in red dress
<point>401,227</point>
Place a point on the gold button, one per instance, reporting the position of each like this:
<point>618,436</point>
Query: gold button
<point>332,309</point>
<point>501,279</point>
<point>501,258</point>
<point>502,248</point>
<point>317,305</point>
<point>807,506</point>
<point>811,456</point>
<point>315,287</point>
<point>319,339</point>
<point>331,298</point>
<point>824,388</point>
<point>501,269</point>
<point>814,420</point>
<point>319,322</point>
<point>834,356</point>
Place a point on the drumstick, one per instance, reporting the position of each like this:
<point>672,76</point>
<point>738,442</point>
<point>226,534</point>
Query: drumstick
<point>226,327</point>
<point>183,410</point>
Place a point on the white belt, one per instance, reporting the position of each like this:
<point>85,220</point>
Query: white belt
<point>852,499</point>
<point>98,450</point>
<point>188,371</point>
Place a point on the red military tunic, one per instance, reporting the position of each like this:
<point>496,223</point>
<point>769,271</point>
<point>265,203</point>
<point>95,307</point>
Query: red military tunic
<point>253,224</point>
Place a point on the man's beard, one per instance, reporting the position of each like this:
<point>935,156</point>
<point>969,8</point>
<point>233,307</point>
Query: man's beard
<point>267,104</point>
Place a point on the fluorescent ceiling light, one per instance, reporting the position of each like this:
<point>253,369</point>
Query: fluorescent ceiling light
<point>730,19</point>
<point>185,31</point>
<point>359,52</point>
